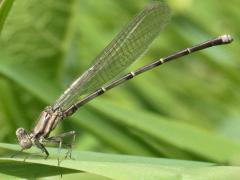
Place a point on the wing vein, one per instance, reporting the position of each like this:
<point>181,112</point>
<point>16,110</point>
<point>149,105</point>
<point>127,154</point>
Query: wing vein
<point>125,48</point>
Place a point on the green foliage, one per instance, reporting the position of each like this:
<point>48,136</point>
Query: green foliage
<point>186,110</point>
<point>5,7</point>
<point>115,167</point>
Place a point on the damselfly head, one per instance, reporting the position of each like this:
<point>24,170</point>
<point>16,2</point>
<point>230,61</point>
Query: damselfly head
<point>23,138</point>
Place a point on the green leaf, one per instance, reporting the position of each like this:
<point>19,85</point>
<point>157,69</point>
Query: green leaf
<point>5,7</point>
<point>196,140</point>
<point>116,167</point>
<point>31,170</point>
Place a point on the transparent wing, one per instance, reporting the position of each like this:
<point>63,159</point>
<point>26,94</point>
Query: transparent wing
<point>125,48</point>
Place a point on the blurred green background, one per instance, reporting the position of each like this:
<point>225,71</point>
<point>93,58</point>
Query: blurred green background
<point>186,109</point>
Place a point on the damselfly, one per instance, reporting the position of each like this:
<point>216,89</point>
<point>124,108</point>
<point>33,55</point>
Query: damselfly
<point>125,48</point>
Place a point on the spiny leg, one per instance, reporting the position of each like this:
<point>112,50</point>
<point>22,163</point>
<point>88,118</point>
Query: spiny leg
<point>58,139</point>
<point>43,150</point>
<point>15,154</point>
<point>69,146</point>
<point>59,150</point>
<point>69,152</point>
<point>32,154</point>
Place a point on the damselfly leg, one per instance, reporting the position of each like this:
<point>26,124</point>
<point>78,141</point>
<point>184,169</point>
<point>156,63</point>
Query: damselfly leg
<point>18,152</point>
<point>59,140</point>
<point>39,145</point>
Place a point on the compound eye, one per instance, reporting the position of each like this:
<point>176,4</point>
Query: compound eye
<point>23,138</point>
<point>20,131</point>
<point>25,143</point>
